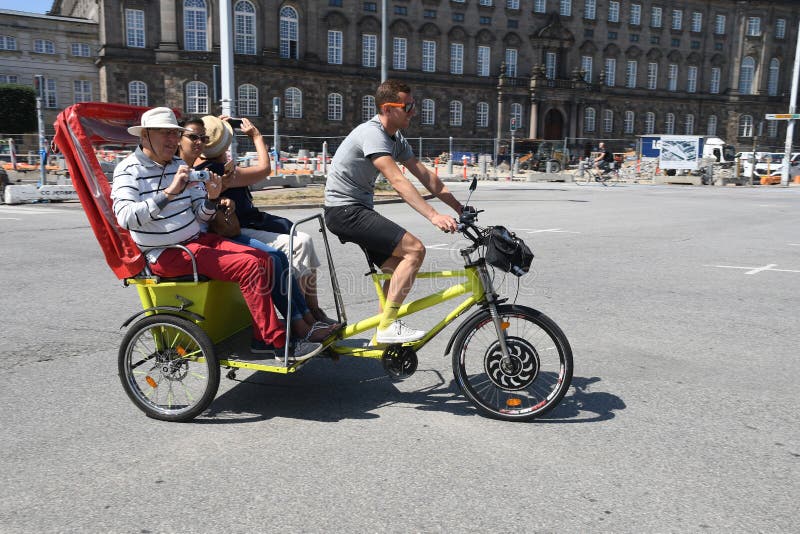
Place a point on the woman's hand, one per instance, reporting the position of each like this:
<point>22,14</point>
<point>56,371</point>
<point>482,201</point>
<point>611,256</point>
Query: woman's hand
<point>248,128</point>
<point>228,205</point>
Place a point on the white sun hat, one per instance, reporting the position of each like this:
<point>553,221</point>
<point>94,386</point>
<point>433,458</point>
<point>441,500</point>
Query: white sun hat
<point>157,118</point>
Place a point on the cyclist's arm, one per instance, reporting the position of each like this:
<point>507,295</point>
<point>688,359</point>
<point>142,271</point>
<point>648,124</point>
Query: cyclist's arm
<point>409,193</point>
<point>433,184</point>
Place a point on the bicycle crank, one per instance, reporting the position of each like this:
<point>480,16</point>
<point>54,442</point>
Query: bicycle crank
<point>399,362</point>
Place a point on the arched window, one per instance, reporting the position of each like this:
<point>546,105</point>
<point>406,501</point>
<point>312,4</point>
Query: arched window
<point>649,122</point>
<point>428,112</point>
<point>289,31</point>
<point>746,126</point>
<point>334,107</point>
<point>368,107</point>
<point>244,28</point>
<point>608,121</point>
<point>746,76</point>
<point>589,116</point>
<point>248,100</point>
<point>196,98</point>
<point>194,25</point>
<point>669,124</point>
<point>137,93</point>
<point>711,129</point>
<point>293,103</point>
<point>774,75</point>
<point>482,115</point>
<point>455,113</point>
<point>688,125</point>
<point>516,114</point>
<point>629,119</point>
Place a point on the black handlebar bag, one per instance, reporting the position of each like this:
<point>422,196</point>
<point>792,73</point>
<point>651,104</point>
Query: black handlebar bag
<point>507,252</point>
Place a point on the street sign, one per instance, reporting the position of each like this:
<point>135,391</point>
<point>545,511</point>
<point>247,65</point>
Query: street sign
<point>782,116</point>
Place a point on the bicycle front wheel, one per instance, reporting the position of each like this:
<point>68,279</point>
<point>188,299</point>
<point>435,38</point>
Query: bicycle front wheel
<point>168,368</point>
<point>531,381</point>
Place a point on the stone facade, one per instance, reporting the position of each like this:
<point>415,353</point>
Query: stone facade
<point>688,41</point>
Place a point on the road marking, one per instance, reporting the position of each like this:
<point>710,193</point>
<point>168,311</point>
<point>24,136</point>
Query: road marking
<point>439,246</point>
<point>755,270</point>
<point>550,230</point>
<point>25,210</point>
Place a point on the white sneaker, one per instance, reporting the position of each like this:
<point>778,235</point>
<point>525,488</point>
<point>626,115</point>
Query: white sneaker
<point>398,332</point>
<point>303,350</point>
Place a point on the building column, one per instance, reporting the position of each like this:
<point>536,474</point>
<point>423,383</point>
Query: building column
<point>534,122</point>
<point>169,36</point>
<point>573,119</point>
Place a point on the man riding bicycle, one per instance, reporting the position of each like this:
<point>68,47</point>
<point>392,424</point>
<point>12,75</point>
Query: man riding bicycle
<point>605,159</point>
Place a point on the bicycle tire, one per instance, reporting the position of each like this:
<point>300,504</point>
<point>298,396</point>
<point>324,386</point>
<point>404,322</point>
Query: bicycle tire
<point>532,383</point>
<point>180,376</point>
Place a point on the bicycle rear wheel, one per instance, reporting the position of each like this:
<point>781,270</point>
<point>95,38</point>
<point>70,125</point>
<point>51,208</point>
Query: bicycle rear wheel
<point>168,368</point>
<point>531,382</point>
<point>586,178</point>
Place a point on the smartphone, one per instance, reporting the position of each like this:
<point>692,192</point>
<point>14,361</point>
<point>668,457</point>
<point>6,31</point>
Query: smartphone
<point>235,123</point>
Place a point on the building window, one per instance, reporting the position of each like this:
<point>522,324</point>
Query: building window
<point>691,80</point>
<point>677,19</point>
<point>516,115</point>
<point>458,17</point>
<point>669,125</point>
<point>746,126</point>
<point>137,93</point>
<point>586,67</point>
<point>334,47</point>
<point>484,53</point>
<point>9,78</point>
<point>688,125</point>
<point>428,112</point>
<point>512,4</point>
<point>655,39</point>
<point>588,120</point>
<point>369,50</point>
<point>630,74</point>
<point>613,11</point>
<point>487,3</point>
<point>456,58</point>
<point>675,43</point>
<point>629,121</point>
<point>399,53</point>
<point>428,56</point>
<point>612,36</point>
<point>248,100</point>
<point>711,129</point>
<point>719,25</point>
<point>194,25</point>
<point>746,76</point>
<point>293,103</point>
<point>82,90</point>
<point>635,17</point>
<point>482,115</point>
<point>429,13</point>
<point>335,107</point>
<point>455,113</point>
<point>588,32</point>
<point>655,17</point>
<point>335,3</point>
<point>513,23</point>
<point>652,76</point>
<point>134,28</point>
<point>695,45</point>
<point>565,8</point>
<point>42,46</point>
<point>550,66</point>
<point>608,121</point>
<point>7,42</point>
<point>401,10</point>
<point>539,6</point>
<point>649,122</point>
<point>772,128</point>
<point>774,76</point>
<point>780,29</point>
<point>244,28</point>
<point>486,21</point>
<point>634,37</point>
<point>49,99</point>
<point>697,22</point>
<point>196,98</point>
<point>511,62</point>
<point>372,7</point>
<point>590,9</point>
<point>289,24</point>
<point>753,26</point>
<point>716,76</point>
<point>672,77</point>
<point>367,107</point>
<point>80,50</point>
<point>611,72</point>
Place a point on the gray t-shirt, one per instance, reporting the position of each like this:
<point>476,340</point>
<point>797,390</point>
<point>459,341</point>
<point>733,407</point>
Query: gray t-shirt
<point>351,177</point>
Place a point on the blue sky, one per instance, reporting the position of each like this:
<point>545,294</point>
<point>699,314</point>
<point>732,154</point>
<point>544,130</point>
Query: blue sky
<point>31,6</point>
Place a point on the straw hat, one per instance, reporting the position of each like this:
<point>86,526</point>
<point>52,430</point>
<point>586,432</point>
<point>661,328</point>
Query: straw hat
<point>220,135</point>
<point>157,118</point>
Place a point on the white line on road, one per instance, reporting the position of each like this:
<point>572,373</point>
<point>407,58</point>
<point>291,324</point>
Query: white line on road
<point>755,270</point>
<point>25,211</point>
<point>550,230</point>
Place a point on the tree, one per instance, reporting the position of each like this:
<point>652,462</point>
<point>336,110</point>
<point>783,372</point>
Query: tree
<point>18,103</point>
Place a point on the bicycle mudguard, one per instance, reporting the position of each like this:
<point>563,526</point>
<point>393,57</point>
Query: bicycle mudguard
<point>466,320</point>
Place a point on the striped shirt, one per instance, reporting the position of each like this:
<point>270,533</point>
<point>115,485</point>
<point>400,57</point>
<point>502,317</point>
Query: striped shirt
<point>142,207</point>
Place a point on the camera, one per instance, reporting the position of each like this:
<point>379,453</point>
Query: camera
<point>199,176</point>
<point>235,123</point>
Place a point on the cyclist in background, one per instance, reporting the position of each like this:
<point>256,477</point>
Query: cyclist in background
<point>605,159</point>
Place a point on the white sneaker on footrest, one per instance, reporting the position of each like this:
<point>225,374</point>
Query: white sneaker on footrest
<point>398,332</point>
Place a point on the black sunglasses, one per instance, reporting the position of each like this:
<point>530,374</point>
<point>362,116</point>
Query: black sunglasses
<point>194,137</point>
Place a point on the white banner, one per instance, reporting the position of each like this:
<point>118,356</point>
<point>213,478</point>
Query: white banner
<point>680,152</point>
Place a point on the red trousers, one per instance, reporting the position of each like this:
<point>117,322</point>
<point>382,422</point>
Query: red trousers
<point>220,259</point>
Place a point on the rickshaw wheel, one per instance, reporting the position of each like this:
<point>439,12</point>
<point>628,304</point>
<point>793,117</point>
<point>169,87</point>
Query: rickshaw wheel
<point>399,362</point>
<point>168,368</point>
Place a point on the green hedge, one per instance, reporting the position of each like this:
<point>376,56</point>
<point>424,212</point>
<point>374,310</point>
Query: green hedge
<point>18,103</point>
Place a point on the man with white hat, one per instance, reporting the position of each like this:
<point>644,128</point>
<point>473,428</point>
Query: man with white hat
<point>160,203</point>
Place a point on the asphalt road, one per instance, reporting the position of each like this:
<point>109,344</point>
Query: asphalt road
<point>681,305</point>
